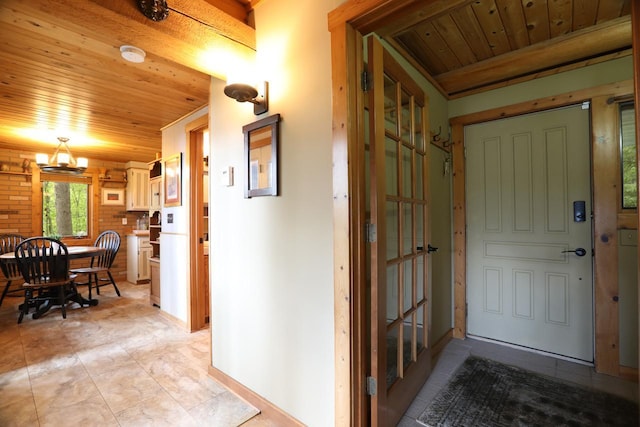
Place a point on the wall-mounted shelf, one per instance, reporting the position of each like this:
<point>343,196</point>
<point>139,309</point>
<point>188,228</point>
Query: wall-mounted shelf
<point>16,173</point>
<point>120,182</point>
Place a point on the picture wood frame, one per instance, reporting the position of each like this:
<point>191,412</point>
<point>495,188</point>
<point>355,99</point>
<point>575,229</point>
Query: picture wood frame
<point>261,140</point>
<point>173,180</point>
<point>113,196</point>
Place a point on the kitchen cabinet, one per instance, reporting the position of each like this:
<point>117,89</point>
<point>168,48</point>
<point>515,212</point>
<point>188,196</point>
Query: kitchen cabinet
<point>155,195</point>
<point>154,290</point>
<point>137,198</point>
<point>155,207</point>
<point>138,254</point>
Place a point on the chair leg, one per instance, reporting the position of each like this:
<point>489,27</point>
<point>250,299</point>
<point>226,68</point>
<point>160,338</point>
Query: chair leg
<point>63,301</point>
<point>25,305</point>
<point>113,282</point>
<point>95,276</point>
<point>89,285</point>
<point>4,293</point>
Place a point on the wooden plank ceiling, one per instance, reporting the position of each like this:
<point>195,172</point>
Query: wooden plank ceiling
<point>61,73</point>
<point>468,46</point>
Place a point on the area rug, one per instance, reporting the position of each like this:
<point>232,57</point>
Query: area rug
<point>487,393</point>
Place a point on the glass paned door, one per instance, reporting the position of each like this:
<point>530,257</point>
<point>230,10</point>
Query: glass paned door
<point>400,359</point>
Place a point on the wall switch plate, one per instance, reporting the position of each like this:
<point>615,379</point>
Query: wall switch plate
<point>226,177</point>
<point>124,221</point>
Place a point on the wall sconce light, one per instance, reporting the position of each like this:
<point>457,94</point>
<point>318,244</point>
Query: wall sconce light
<point>243,92</point>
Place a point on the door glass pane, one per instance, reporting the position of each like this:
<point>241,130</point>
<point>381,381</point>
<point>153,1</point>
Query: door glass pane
<point>407,280</point>
<point>419,278</point>
<point>392,293</point>
<point>420,243</point>
<point>405,117</point>
<point>390,107</point>
<point>628,155</point>
<point>393,337</point>
<point>391,165</point>
<point>420,176</point>
<point>393,218</point>
<point>419,316</point>
<point>406,171</point>
<point>418,135</point>
<point>407,229</point>
<point>407,342</point>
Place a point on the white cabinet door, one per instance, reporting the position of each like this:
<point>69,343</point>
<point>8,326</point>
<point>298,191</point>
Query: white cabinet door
<point>138,253</point>
<point>137,189</point>
<point>155,195</point>
<point>144,273</point>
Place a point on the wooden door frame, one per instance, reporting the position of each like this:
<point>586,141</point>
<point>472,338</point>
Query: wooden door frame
<point>194,154</point>
<point>346,24</point>
<point>605,180</point>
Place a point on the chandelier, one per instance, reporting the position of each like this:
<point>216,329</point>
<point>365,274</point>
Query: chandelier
<point>62,161</point>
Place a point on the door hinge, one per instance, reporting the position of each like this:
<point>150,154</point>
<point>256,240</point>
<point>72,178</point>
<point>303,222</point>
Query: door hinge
<point>370,232</point>
<point>466,310</point>
<point>364,81</point>
<point>372,386</point>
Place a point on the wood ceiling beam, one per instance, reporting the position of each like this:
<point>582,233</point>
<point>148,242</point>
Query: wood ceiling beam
<point>607,37</point>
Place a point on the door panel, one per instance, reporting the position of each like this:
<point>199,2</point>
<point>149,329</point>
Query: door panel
<point>524,287</point>
<point>400,358</point>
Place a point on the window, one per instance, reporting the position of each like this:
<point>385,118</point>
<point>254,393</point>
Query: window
<point>65,208</point>
<point>628,155</point>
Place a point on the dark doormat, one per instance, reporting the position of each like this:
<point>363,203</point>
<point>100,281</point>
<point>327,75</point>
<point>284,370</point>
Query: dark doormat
<point>487,393</point>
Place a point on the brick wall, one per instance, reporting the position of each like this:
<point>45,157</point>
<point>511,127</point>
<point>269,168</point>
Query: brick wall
<point>17,208</point>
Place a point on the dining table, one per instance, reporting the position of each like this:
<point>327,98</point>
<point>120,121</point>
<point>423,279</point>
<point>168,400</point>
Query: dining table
<point>74,252</point>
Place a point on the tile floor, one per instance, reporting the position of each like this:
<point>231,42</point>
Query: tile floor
<point>119,363</point>
<point>458,350</point>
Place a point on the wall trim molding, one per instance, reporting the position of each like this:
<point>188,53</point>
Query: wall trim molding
<point>266,408</point>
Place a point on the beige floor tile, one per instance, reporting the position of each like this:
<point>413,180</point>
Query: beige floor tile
<point>118,363</point>
<point>127,386</point>
<point>15,386</point>
<point>60,389</point>
<point>11,356</point>
<point>103,359</point>
<point>223,410</point>
<point>159,411</point>
<point>91,412</point>
<point>19,413</point>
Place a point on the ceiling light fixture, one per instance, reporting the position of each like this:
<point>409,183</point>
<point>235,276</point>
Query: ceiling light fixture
<point>243,92</point>
<point>132,53</point>
<point>62,161</point>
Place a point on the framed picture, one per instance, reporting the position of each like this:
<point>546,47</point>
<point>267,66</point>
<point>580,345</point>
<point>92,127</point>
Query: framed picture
<point>261,157</point>
<point>113,196</point>
<point>172,180</point>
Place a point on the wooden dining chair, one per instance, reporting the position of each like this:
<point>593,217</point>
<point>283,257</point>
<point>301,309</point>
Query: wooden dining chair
<point>8,243</point>
<point>44,265</point>
<point>109,240</point>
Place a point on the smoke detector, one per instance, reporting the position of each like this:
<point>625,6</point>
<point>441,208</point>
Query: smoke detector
<point>132,53</point>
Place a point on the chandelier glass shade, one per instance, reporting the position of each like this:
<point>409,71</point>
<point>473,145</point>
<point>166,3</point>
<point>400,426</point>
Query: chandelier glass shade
<point>62,161</point>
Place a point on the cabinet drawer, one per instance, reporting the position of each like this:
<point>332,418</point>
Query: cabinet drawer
<point>143,242</point>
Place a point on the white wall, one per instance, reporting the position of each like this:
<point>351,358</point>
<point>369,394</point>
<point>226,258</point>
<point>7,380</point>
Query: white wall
<point>174,239</point>
<point>272,257</point>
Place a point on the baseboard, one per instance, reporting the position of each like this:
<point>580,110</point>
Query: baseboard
<point>267,409</point>
<point>441,343</point>
<point>174,320</point>
<point>629,374</point>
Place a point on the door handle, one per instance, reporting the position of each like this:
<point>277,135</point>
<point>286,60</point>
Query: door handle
<point>577,251</point>
<point>431,249</point>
